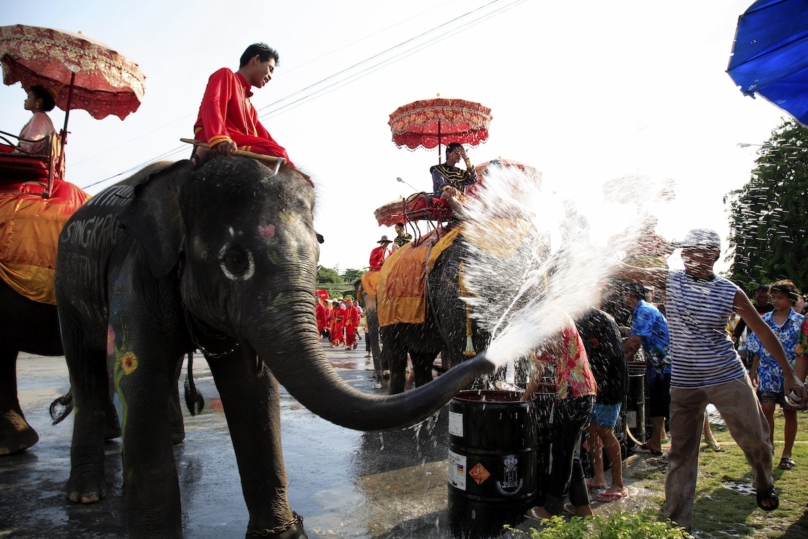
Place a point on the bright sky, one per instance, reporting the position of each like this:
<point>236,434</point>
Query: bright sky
<point>584,91</point>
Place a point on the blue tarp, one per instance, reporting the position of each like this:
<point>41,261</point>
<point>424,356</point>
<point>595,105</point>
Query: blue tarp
<point>770,55</point>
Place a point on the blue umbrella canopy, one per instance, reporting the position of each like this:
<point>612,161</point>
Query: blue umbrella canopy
<point>770,54</point>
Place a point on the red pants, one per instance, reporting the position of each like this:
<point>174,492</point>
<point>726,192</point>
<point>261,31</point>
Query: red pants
<point>337,333</point>
<point>350,336</point>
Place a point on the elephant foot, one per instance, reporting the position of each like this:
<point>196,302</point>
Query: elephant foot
<point>15,433</point>
<point>295,531</point>
<point>177,435</point>
<point>112,427</point>
<point>86,488</point>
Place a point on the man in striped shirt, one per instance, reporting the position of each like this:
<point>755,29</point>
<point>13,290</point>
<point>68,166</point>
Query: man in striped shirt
<point>706,369</point>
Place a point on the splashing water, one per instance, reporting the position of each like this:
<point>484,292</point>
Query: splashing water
<point>532,257</point>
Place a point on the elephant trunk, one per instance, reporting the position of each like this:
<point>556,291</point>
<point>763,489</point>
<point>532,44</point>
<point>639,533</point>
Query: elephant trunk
<point>297,360</point>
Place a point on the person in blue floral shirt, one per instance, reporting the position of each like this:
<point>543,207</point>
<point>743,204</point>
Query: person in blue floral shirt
<point>767,375</point>
<point>649,329</point>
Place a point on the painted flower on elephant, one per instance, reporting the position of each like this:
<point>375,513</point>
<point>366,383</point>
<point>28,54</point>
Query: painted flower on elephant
<point>267,232</point>
<point>129,362</point>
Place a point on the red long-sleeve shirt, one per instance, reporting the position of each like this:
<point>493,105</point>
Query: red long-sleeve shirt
<point>377,257</point>
<point>226,114</point>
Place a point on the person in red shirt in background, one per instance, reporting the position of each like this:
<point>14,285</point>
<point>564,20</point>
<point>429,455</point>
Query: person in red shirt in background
<point>322,316</point>
<point>351,324</point>
<point>328,317</point>
<point>227,120</point>
<point>379,254</point>
<point>337,324</point>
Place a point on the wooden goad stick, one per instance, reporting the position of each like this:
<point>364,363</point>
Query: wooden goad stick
<point>275,162</point>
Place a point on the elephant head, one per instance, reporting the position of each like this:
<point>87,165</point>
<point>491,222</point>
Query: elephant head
<point>244,242</point>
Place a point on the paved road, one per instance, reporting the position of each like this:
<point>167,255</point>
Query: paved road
<point>344,483</point>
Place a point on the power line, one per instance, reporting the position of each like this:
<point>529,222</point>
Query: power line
<point>377,55</point>
<point>399,56</point>
<point>282,74</point>
<point>350,78</point>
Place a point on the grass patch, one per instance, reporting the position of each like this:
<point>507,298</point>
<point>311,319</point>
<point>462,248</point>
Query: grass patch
<point>721,512</point>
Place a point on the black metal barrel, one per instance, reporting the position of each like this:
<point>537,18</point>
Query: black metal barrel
<point>635,401</point>
<point>492,461</point>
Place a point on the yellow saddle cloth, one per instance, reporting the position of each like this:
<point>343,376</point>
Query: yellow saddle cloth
<point>401,291</point>
<point>29,235</point>
<point>370,282</point>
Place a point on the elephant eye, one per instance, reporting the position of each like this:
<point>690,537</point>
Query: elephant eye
<point>236,262</point>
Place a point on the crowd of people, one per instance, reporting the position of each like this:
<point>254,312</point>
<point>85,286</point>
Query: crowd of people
<point>340,321</point>
<point>691,361</point>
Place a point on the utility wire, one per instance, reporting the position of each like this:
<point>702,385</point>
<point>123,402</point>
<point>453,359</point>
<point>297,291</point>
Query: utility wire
<point>331,53</point>
<point>384,63</point>
<point>283,73</point>
<point>351,78</point>
<point>366,60</point>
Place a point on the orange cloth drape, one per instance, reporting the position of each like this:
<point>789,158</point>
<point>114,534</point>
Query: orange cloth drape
<point>370,281</point>
<point>29,235</point>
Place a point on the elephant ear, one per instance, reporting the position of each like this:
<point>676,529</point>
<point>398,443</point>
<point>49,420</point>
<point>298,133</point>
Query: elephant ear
<point>154,218</point>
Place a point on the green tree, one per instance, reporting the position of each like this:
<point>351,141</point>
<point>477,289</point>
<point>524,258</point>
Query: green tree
<point>328,275</point>
<point>768,227</point>
<point>352,275</point>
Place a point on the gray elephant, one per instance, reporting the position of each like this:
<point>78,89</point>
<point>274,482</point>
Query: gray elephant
<point>448,323</point>
<point>33,327</point>
<point>222,259</point>
<point>444,330</point>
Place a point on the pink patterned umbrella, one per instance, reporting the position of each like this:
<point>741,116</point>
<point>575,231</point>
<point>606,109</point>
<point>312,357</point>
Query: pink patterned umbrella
<point>81,73</point>
<point>429,123</point>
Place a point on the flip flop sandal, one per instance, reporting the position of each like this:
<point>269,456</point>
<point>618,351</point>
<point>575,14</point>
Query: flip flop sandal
<point>770,495</point>
<point>715,446</point>
<point>607,497</point>
<point>592,486</point>
<point>786,463</point>
<point>532,515</point>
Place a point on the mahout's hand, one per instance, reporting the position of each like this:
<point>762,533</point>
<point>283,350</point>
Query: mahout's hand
<point>226,147</point>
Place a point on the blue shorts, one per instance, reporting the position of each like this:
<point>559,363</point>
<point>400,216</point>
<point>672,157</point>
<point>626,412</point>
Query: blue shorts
<point>605,415</point>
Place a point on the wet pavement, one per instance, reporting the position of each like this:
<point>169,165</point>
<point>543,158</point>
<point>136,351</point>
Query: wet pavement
<point>344,483</point>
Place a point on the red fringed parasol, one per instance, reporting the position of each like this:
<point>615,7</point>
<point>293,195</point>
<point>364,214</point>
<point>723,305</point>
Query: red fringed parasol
<point>81,73</point>
<point>432,122</point>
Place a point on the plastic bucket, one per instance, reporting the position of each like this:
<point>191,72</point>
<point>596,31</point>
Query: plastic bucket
<point>492,461</point>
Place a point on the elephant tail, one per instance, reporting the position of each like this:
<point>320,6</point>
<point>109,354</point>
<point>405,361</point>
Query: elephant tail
<point>193,399</point>
<point>66,402</point>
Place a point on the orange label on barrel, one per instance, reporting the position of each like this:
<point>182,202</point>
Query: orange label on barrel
<point>479,473</point>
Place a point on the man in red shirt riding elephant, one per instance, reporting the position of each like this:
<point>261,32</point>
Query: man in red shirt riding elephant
<point>379,254</point>
<point>227,120</point>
